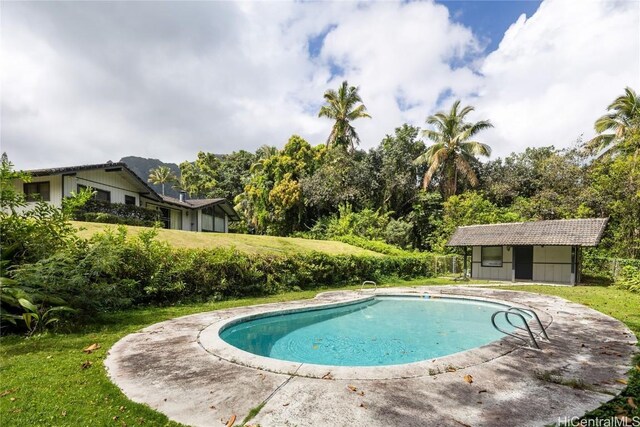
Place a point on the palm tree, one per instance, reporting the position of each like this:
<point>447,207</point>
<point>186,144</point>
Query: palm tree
<point>161,175</point>
<point>341,107</point>
<point>624,115</point>
<point>452,151</point>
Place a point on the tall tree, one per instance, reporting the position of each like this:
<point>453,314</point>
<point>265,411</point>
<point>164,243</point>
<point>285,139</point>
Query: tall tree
<point>613,127</point>
<point>453,152</point>
<point>161,175</point>
<point>344,106</point>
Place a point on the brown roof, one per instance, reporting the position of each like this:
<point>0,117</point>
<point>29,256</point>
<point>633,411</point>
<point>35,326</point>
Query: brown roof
<point>202,203</point>
<point>562,232</point>
<point>109,167</point>
<point>121,166</point>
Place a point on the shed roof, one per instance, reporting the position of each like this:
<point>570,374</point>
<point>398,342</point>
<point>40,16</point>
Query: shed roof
<point>563,232</point>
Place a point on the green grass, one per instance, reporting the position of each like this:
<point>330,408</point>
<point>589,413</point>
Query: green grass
<point>243,242</point>
<point>42,381</point>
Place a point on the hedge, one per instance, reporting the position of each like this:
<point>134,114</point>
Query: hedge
<point>112,271</point>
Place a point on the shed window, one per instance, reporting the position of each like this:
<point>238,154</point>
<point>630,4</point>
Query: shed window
<point>129,200</point>
<point>492,256</point>
<point>36,191</point>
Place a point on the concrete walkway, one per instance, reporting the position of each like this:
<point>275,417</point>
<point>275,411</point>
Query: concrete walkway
<point>176,368</point>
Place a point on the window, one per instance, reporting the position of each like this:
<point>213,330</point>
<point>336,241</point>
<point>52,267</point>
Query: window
<point>36,191</point>
<point>491,256</point>
<point>102,195</point>
<point>129,200</point>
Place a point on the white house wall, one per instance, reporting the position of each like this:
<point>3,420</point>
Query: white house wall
<point>219,224</point>
<point>55,189</point>
<point>179,218</point>
<point>207,222</point>
<point>113,182</point>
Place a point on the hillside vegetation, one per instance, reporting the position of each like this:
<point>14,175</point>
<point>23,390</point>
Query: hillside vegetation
<point>250,244</point>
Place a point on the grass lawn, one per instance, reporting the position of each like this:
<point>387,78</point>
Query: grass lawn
<point>242,242</point>
<point>43,382</point>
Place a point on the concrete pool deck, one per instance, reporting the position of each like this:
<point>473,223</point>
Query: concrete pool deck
<point>182,369</point>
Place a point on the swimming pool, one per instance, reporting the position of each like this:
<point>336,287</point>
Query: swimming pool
<point>377,332</point>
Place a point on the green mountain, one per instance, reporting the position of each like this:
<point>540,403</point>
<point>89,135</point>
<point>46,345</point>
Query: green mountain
<point>141,166</point>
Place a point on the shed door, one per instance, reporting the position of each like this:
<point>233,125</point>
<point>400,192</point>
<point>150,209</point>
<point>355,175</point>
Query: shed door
<point>524,262</point>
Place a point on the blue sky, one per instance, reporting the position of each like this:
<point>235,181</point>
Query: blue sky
<point>489,19</point>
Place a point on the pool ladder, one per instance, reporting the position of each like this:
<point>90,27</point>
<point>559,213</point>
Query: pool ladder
<point>518,312</point>
<point>369,282</point>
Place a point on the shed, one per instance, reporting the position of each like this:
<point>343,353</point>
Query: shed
<point>538,251</point>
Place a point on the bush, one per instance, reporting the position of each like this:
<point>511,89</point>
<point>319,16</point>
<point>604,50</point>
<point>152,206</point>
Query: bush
<point>629,279</point>
<point>108,218</point>
<point>398,233</point>
<point>112,271</point>
<point>116,213</point>
<point>372,245</point>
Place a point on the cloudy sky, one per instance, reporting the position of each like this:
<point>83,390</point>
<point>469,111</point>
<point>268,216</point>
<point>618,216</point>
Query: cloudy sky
<point>96,81</point>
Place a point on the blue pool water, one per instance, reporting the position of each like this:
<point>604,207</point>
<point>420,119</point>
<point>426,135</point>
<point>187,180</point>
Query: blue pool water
<point>382,331</point>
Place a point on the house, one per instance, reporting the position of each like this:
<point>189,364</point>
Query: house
<point>116,183</point>
<point>540,251</point>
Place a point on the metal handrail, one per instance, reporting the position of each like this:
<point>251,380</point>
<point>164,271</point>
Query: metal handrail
<point>369,282</point>
<point>526,328</point>
<point>531,313</point>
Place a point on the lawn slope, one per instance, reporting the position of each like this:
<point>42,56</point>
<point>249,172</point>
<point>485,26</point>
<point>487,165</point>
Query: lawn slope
<point>243,242</point>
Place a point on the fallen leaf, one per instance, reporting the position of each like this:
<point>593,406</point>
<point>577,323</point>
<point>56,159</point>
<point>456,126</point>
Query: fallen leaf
<point>86,364</point>
<point>122,408</point>
<point>482,391</point>
<point>64,413</point>
<point>632,403</point>
<point>362,405</point>
<point>13,399</point>
<point>352,388</point>
<point>93,347</point>
<point>285,404</point>
<point>231,421</point>
<point>327,376</point>
<point>361,393</point>
<point>451,369</point>
<point>468,378</point>
<point>6,392</point>
<point>622,381</point>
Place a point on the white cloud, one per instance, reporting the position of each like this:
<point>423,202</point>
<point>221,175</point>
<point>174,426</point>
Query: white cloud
<point>555,73</point>
<point>88,82</point>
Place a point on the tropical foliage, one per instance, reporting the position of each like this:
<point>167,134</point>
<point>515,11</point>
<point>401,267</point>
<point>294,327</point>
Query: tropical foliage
<point>161,175</point>
<point>344,106</point>
<point>613,128</point>
<point>453,153</point>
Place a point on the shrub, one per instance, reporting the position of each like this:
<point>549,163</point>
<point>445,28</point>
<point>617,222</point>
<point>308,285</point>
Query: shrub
<point>629,279</point>
<point>372,245</point>
<point>112,271</point>
<point>108,218</point>
<point>398,233</point>
<point>116,213</point>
